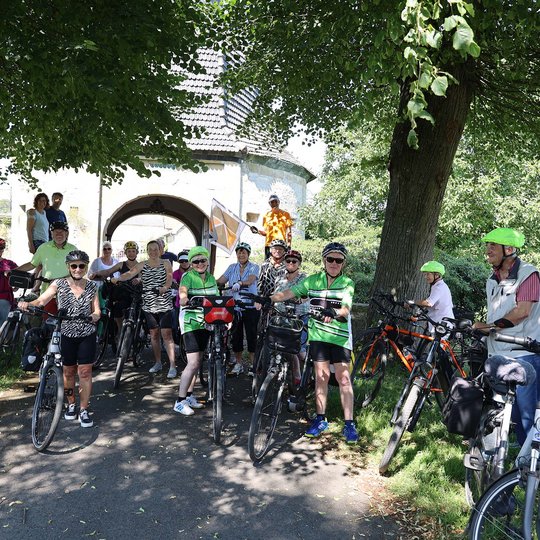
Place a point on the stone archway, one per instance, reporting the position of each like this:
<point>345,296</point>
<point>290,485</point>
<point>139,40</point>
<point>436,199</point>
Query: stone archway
<point>167,205</point>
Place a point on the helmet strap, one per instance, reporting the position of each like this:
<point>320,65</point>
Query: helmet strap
<point>512,255</point>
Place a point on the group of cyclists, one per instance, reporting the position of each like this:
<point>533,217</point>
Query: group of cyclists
<point>513,292</point>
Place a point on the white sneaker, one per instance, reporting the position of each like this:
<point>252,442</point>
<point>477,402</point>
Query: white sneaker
<point>237,369</point>
<point>71,412</point>
<point>84,419</point>
<point>156,368</point>
<point>193,403</point>
<point>183,407</point>
<point>172,373</point>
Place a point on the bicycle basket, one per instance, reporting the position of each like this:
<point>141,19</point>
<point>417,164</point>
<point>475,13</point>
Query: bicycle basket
<point>218,309</point>
<point>22,280</point>
<point>284,334</point>
<point>34,347</point>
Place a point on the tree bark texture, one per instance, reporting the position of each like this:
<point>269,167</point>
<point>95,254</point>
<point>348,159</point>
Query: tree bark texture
<point>418,180</point>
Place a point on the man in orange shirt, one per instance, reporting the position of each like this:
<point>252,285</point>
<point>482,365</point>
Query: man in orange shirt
<point>276,225</point>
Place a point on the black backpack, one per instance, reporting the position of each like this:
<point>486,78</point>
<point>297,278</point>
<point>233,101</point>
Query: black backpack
<point>463,407</point>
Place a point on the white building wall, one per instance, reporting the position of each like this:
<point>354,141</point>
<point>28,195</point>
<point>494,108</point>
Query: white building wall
<point>242,187</point>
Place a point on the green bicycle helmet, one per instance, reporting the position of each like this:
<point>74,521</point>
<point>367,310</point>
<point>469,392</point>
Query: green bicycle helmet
<point>197,250</point>
<point>433,266</point>
<point>505,237</point>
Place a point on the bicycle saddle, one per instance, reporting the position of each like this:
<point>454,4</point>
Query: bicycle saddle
<point>510,370</point>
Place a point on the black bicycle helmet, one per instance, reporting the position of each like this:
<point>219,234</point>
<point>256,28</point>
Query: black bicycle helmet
<point>59,225</point>
<point>243,245</point>
<point>77,255</point>
<point>279,243</point>
<point>335,247</point>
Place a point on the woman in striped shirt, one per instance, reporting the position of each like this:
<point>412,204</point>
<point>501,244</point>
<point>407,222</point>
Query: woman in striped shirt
<point>156,277</point>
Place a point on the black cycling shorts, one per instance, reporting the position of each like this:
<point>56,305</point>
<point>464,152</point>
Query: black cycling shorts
<point>321,351</point>
<point>78,350</point>
<point>196,341</point>
<point>162,319</point>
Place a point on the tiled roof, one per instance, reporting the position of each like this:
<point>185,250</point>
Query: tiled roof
<point>222,115</point>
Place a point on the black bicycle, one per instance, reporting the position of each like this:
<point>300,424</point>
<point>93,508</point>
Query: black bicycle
<point>50,393</point>
<point>106,329</point>
<point>132,334</point>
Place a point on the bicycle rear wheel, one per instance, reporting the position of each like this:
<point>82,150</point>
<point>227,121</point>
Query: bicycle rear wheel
<point>125,346</point>
<point>499,512</point>
<point>368,372</point>
<point>47,407</point>
<point>400,426</point>
<point>265,415</point>
<point>218,376</point>
<point>102,337</point>
<point>260,369</point>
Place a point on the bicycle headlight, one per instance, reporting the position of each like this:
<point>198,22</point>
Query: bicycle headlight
<point>440,329</point>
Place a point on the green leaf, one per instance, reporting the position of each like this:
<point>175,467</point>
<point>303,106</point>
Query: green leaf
<point>415,106</point>
<point>450,23</point>
<point>439,86</point>
<point>463,37</point>
<point>409,53</point>
<point>425,115</point>
<point>412,139</point>
<point>474,50</point>
<point>425,80</point>
<point>434,39</point>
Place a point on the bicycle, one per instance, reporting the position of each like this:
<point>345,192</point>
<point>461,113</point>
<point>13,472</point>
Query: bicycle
<point>486,458</point>
<point>388,339</point>
<point>423,379</point>
<point>132,334</point>
<point>106,328</point>
<point>17,320</point>
<point>50,393</point>
<point>510,508</point>
<point>218,312</point>
<point>283,339</point>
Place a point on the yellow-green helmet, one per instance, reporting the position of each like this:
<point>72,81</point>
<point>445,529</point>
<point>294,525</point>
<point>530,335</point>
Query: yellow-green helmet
<point>505,237</point>
<point>433,266</point>
<point>197,250</point>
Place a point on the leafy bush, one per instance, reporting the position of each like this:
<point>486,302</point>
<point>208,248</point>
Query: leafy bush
<point>465,277</point>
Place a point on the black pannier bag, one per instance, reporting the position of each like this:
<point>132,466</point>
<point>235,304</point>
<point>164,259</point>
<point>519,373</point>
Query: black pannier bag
<point>463,407</point>
<point>34,348</point>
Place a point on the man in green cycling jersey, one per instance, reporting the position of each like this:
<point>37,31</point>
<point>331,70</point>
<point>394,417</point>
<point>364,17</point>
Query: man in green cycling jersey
<point>330,340</point>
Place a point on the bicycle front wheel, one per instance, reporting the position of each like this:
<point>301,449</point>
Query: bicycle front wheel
<point>400,426</point>
<point>368,372</point>
<point>218,375</point>
<point>125,347</point>
<point>499,512</point>
<point>102,338</point>
<point>265,415</point>
<point>47,407</point>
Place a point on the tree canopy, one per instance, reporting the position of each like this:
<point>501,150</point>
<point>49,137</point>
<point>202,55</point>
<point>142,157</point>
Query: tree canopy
<point>91,85</point>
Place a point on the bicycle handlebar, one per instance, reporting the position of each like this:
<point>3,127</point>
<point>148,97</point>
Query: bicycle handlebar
<point>527,343</point>
<point>35,310</point>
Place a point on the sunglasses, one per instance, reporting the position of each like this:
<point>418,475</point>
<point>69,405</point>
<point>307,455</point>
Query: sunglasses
<point>291,261</point>
<point>335,260</point>
<point>199,261</point>
<point>81,266</point>
<point>107,249</point>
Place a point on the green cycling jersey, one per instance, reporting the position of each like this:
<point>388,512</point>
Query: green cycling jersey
<point>192,318</point>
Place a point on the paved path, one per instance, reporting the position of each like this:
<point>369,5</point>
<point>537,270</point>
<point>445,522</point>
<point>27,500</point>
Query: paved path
<point>144,471</point>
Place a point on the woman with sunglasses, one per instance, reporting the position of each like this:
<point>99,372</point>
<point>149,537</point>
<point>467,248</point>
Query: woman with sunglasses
<point>156,278</point>
<point>101,264</point>
<point>196,282</point>
<point>293,261</point>
<point>76,296</point>
<point>330,340</point>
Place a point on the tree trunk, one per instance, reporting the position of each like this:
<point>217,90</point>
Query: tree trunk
<point>418,180</point>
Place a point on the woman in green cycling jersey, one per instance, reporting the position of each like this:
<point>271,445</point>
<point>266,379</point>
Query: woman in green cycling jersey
<point>330,340</point>
<point>196,282</point>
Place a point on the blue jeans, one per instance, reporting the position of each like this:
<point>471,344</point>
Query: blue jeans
<point>526,399</point>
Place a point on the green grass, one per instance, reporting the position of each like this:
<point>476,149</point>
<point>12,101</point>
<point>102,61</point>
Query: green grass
<point>10,370</point>
<point>427,472</point>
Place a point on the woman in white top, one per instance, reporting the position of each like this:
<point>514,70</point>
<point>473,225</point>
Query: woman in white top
<point>37,224</point>
<point>104,262</point>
